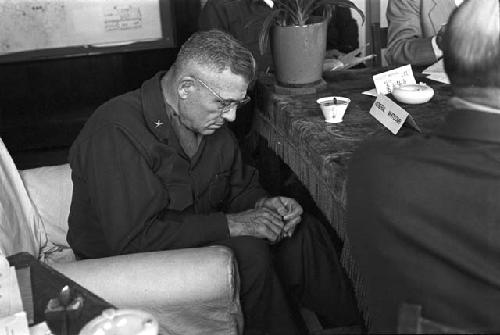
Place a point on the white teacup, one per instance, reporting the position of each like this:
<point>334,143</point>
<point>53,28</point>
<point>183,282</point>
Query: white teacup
<point>333,108</point>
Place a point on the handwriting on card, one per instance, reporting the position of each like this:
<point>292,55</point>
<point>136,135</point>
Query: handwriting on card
<point>385,82</point>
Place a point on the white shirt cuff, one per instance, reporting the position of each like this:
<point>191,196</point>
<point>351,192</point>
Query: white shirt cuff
<point>437,52</point>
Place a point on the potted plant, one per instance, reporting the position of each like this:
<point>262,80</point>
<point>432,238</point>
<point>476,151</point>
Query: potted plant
<point>297,32</point>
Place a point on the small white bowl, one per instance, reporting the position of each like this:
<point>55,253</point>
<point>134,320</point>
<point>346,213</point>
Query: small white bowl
<point>413,94</point>
<point>333,112</point>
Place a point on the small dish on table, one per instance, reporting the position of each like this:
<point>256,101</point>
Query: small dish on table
<point>413,94</point>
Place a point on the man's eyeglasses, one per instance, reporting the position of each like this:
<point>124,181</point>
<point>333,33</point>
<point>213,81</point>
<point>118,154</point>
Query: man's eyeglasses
<point>225,104</point>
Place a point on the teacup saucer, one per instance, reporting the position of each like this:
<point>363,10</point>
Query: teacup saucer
<point>334,121</point>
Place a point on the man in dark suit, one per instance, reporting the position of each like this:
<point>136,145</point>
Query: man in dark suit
<point>423,217</point>
<point>157,169</point>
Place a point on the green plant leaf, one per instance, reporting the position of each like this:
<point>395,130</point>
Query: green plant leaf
<point>291,11</point>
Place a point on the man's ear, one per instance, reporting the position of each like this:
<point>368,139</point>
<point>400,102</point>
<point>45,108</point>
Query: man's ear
<point>186,86</point>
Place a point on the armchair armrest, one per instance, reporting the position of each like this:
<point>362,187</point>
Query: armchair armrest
<point>190,291</point>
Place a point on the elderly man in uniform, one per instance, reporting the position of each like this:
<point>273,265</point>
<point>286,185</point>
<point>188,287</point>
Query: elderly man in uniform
<point>157,169</point>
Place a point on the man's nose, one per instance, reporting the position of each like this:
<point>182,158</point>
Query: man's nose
<point>230,115</point>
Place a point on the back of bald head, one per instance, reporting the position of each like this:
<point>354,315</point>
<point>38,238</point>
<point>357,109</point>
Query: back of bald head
<point>215,51</point>
<point>471,46</point>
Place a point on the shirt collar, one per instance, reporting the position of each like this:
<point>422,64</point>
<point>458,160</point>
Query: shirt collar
<point>162,121</point>
<point>154,107</point>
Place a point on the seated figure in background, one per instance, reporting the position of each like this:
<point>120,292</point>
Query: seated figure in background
<point>415,30</point>
<point>157,169</point>
<point>423,218</point>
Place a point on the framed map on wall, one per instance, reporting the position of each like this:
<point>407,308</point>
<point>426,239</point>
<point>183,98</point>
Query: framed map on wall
<point>40,29</point>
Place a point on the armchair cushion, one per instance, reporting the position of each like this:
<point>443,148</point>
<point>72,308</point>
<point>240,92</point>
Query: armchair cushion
<point>50,188</point>
<point>190,291</point>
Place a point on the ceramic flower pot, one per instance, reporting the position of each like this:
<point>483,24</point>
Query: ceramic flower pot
<point>299,51</point>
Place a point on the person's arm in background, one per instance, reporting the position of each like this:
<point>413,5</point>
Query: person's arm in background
<point>406,43</point>
<point>343,32</point>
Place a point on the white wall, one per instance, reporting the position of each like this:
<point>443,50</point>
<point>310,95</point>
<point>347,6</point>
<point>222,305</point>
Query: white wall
<point>383,8</point>
<point>361,27</point>
<point>383,23</point>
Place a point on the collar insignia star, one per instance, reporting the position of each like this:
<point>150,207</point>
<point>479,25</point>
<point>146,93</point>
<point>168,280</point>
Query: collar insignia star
<point>158,123</point>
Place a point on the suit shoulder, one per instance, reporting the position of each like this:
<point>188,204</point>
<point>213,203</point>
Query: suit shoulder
<point>121,111</point>
<point>120,108</point>
<point>383,147</point>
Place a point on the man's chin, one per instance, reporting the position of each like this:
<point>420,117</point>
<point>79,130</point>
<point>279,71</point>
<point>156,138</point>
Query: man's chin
<point>212,129</point>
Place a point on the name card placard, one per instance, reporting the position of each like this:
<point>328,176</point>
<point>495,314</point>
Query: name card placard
<point>391,115</point>
<point>385,82</point>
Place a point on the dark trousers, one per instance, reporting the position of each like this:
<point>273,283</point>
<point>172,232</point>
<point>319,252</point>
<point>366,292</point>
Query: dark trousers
<point>304,268</point>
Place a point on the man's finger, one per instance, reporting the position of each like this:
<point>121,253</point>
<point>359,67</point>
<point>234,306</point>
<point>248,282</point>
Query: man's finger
<point>283,206</point>
<point>270,212</point>
<point>295,212</point>
<point>275,224</point>
<point>270,230</point>
<point>292,224</point>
